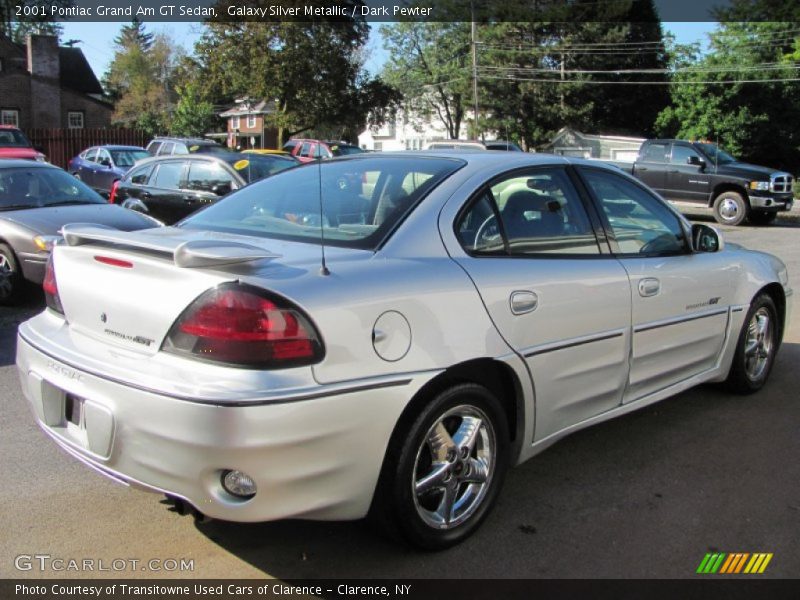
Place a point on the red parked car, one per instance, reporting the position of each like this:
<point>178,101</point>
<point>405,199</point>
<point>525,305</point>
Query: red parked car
<point>309,150</point>
<point>14,144</point>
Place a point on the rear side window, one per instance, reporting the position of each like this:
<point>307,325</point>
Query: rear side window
<point>166,148</point>
<point>154,147</point>
<point>655,153</point>
<point>537,212</point>
<point>207,176</point>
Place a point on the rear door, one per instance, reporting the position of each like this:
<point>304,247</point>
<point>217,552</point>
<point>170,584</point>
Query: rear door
<point>680,299</point>
<point>553,290</point>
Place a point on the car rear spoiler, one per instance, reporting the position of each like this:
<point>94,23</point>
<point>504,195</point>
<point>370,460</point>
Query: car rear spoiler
<point>204,251</point>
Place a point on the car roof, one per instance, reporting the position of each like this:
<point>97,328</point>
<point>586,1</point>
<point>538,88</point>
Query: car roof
<point>183,139</point>
<point>116,147</point>
<point>487,158</point>
<point>8,127</point>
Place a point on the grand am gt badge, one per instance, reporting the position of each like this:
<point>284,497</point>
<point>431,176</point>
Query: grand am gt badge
<point>709,302</point>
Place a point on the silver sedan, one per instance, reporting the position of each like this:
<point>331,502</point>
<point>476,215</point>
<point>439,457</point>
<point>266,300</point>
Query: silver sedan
<point>385,335</point>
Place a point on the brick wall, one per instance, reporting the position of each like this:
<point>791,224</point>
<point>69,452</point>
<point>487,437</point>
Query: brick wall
<point>95,114</point>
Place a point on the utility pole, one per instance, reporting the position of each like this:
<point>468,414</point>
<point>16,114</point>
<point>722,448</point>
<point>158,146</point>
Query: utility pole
<point>475,71</point>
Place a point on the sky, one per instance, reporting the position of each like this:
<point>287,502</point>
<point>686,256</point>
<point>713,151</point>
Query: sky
<point>97,39</point>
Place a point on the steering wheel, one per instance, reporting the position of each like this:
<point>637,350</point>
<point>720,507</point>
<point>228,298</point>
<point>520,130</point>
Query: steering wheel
<point>487,232</point>
<point>661,243</point>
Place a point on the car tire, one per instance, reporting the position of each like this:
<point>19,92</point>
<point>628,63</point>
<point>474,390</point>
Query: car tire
<point>11,281</point>
<point>435,490</point>
<point>730,208</point>
<point>755,351</point>
<point>762,217</point>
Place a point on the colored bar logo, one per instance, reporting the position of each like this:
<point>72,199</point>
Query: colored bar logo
<point>732,563</point>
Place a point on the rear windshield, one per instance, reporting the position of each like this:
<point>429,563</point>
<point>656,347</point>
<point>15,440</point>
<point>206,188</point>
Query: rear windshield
<point>253,167</point>
<point>38,187</point>
<point>362,200</point>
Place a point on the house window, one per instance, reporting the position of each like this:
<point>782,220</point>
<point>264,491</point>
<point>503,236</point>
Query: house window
<point>378,146</point>
<point>9,117</point>
<point>235,123</point>
<point>75,119</point>
<point>251,121</point>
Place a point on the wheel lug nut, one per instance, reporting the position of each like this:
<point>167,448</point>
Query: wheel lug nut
<point>464,452</point>
<point>451,455</point>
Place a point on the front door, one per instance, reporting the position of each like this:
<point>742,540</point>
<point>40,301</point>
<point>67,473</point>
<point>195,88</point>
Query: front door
<point>680,299</point>
<point>687,180</point>
<point>556,295</point>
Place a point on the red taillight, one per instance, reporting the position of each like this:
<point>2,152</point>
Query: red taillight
<point>50,287</point>
<point>113,195</point>
<point>245,326</point>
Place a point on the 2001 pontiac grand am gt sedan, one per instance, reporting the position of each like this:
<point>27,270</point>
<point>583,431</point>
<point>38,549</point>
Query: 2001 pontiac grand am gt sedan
<point>471,309</point>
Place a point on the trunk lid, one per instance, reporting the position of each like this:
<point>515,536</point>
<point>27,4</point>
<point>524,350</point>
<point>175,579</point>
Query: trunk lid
<point>128,288</point>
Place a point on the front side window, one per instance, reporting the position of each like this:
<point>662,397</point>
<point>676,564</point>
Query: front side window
<point>537,212</point>
<point>127,158</point>
<point>168,176</point>
<point>640,223</point>
<point>682,154</point>
<point>141,175</point>
<point>361,201</point>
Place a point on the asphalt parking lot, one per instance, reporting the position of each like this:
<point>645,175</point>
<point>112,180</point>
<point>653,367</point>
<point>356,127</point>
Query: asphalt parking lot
<point>643,496</point>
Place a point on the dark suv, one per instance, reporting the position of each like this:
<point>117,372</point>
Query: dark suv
<point>167,146</point>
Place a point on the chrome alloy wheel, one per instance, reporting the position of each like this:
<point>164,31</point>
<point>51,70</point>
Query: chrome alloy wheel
<point>6,277</point>
<point>729,209</point>
<point>758,344</point>
<point>454,467</point>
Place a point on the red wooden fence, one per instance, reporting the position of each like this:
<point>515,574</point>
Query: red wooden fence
<point>60,145</point>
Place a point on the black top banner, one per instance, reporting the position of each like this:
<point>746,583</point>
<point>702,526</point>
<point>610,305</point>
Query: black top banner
<point>392,10</point>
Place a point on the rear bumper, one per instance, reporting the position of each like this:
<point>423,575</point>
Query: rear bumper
<point>312,457</point>
<point>772,203</point>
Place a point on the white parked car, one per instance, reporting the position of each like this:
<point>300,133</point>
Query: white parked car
<point>471,309</point>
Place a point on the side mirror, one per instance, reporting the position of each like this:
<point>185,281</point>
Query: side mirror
<point>706,239</point>
<point>222,189</point>
<point>106,163</point>
<point>696,161</point>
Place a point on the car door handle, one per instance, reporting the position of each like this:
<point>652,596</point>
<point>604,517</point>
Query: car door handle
<point>146,195</point>
<point>523,302</point>
<point>190,199</point>
<point>649,287</point>
<point>641,168</point>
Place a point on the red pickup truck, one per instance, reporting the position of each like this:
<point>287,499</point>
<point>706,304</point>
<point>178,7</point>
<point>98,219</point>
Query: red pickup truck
<point>14,144</point>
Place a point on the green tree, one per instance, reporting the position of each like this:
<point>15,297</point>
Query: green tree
<point>742,93</point>
<point>311,70</point>
<point>583,65</point>
<point>193,115</point>
<point>140,79</point>
<point>428,65</point>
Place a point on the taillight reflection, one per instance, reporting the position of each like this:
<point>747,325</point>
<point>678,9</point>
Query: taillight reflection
<point>50,287</point>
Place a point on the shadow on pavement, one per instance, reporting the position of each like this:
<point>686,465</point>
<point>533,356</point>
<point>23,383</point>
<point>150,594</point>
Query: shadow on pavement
<point>644,495</point>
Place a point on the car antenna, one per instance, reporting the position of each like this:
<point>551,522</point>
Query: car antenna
<point>324,268</point>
